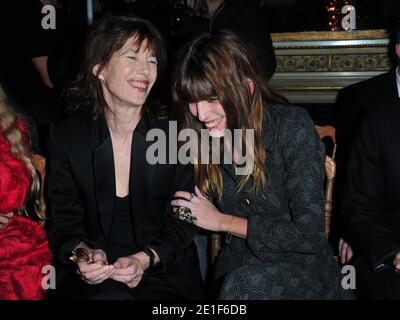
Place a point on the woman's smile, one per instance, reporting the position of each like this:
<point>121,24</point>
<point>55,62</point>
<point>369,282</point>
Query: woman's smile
<point>139,85</point>
<point>213,124</point>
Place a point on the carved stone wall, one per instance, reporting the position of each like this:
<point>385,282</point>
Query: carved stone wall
<point>330,62</point>
<point>313,66</point>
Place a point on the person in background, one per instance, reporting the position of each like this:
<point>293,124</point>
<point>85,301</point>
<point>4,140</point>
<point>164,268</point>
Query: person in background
<point>38,61</point>
<point>371,203</point>
<point>352,104</point>
<point>241,16</point>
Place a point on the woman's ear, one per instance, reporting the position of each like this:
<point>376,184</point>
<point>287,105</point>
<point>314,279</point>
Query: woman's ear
<point>96,72</point>
<point>251,85</point>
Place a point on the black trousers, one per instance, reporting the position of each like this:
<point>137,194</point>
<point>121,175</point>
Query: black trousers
<point>372,285</point>
<point>72,287</point>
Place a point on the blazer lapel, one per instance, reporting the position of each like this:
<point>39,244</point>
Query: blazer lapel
<point>141,174</point>
<point>104,174</point>
<point>394,93</point>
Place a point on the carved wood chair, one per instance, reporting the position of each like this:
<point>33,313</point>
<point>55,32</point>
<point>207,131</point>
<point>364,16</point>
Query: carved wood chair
<point>328,132</point>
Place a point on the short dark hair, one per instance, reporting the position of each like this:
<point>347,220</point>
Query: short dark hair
<point>108,35</point>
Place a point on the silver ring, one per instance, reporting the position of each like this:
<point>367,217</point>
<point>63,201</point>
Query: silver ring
<point>185,214</point>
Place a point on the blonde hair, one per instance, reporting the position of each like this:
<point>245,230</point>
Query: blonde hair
<point>10,130</point>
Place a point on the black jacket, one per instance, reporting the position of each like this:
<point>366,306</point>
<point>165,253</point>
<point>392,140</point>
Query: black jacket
<point>353,101</point>
<point>371,199</point>
<point>352,104</point>
<point>243,17</point>
<point>286,224</point>
<point>81,192</point>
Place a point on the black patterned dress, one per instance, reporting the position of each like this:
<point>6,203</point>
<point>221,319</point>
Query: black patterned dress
<point>286,254</point>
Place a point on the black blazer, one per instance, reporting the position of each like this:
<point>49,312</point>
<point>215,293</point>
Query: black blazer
<point>352,103</point>
<point>81,193</point>
<point>371,199</point>
<point>244,17</point>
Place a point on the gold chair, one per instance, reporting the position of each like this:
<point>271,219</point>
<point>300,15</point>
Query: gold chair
<point>40,164</point>
<point>330,167</point>
<point>330,133</point>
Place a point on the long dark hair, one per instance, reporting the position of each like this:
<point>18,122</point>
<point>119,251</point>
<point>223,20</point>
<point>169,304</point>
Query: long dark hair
<point>108,35</point>
<point>221,65</point>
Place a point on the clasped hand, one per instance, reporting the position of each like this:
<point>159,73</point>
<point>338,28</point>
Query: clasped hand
<point>128,269</point>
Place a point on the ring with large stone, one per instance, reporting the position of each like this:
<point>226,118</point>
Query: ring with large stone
<point>185,214</point>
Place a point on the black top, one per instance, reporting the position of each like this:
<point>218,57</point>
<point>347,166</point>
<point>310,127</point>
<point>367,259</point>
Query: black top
<point>371,198</point>
<point>121,242</point>
<point>352,104</point>
<point>27,39</point>
<point>81,193</point>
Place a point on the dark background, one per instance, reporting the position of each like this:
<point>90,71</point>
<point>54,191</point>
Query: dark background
<point>282,15</point>
<point>311,15</point>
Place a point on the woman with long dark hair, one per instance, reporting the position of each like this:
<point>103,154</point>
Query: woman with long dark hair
<point>111,222</point>
<point>272,207</point>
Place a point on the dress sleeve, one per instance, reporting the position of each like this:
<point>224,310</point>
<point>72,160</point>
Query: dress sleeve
<point>304,161</point>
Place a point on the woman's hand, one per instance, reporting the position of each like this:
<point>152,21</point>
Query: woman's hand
<point>128,270</point>
<point>97,271</point>
<point>345,251</point>
<point>396,261</point>
<point>208,216</point>
<point>4,219</point>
